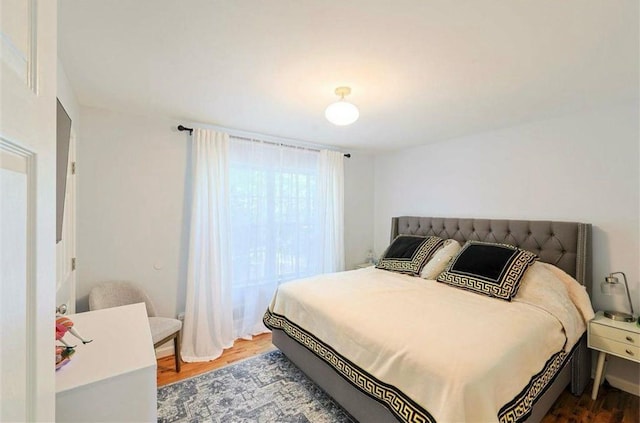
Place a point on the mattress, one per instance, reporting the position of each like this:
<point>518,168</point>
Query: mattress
<point>431,352</point>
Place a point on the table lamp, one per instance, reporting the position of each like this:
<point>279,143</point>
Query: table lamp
<point>610,281</point>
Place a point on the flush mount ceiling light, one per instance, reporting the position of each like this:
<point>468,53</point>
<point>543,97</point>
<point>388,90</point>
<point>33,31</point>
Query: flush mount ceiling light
<point>342,112</point>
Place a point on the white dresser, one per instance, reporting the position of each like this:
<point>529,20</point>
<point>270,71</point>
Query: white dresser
<point>113,378</point>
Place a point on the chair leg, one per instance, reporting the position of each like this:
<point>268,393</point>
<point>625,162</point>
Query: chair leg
<point>176,347</point>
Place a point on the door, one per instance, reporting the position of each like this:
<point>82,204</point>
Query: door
<point>15,215</point>
<point>66,247</point>
<point>27,209</point>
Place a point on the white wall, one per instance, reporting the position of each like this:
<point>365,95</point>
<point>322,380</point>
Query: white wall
<point>358,209</point>
<point>582,167</point>
<point>134,201</point>
<point>67,97</point>
<point>131,205</point>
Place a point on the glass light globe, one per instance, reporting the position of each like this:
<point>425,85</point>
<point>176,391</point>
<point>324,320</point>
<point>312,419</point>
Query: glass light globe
<point>342,113</point>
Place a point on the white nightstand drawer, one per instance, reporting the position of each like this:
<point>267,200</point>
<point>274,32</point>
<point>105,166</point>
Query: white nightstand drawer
<point>613,347</point>
<point>616,334</point>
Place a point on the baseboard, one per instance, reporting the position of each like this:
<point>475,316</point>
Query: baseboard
<point>623,385</point>
<point>164,350</point>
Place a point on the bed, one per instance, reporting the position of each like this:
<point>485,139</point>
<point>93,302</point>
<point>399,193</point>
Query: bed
<point>371,391</point>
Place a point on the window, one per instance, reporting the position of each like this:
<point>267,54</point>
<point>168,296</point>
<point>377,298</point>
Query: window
<point>273,195</point>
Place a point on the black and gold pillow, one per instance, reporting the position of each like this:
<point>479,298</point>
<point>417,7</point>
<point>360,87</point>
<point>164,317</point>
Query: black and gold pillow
<point>489,269</point>
<point>408,253</point>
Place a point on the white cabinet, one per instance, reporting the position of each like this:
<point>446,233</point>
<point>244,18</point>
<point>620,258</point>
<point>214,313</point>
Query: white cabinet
<point>113,378</point>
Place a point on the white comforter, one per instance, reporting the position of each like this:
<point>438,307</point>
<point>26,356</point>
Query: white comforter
<point>459,355</point>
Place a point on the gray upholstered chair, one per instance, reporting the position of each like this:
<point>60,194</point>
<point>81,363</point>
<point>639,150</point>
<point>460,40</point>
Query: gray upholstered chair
<point>115,294</point>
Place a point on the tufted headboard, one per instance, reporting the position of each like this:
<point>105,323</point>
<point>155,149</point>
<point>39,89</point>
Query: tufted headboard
<point>563,244</point>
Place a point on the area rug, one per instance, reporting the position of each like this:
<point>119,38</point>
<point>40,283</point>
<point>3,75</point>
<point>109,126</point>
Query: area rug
<point>264,389</point>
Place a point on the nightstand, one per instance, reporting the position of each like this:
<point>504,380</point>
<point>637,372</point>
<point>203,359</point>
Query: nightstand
<point>607,336</point>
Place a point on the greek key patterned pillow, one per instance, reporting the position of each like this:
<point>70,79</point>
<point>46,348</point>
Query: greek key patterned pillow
<point>489,269</point>
<point>408,253</point>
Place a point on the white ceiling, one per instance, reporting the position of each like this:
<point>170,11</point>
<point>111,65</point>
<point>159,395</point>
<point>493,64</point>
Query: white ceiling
<point>420,70</point>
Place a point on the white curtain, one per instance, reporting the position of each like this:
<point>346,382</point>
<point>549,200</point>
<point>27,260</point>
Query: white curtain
<point>275,234</point>
<point>262,214</point>
<point>208,322</point>
<point>331,209</point>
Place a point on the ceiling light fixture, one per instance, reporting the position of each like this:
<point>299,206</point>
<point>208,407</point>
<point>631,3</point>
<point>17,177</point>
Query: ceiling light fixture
<point>342,112</point>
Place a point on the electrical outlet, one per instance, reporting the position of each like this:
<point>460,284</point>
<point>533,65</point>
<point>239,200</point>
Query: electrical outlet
<point>181,316</point>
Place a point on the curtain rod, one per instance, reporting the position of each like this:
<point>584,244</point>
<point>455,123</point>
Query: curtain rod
<point>182,128</point>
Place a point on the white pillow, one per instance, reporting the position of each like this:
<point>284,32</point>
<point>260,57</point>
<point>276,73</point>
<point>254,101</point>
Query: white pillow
<point>440,259</point>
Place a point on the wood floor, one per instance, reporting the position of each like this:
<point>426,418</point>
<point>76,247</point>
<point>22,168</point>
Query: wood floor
<point>241,349</point>
<point>612,405</point>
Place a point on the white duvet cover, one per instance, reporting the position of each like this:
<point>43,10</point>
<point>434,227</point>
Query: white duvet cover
<point>459,355</point>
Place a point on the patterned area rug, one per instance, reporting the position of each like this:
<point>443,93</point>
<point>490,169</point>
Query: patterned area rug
<point>265,389</point>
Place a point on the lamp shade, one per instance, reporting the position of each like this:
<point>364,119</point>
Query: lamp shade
<point>342,113</point>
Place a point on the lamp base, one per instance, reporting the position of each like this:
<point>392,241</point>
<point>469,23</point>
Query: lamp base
<point>619,316</point>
